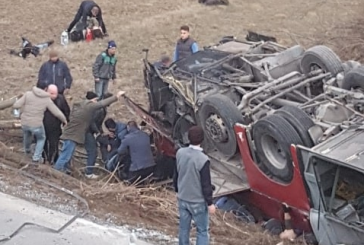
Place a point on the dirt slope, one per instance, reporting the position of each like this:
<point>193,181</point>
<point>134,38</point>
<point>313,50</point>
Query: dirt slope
<point>154,24</point>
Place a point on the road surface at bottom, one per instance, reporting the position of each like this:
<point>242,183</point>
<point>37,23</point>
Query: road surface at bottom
<point>14,212</point>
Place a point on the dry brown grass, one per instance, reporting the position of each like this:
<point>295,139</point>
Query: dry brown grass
<point>154,24</point>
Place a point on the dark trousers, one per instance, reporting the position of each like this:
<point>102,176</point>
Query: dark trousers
<point>50,152</point>
<point>140,175</point>
<point>91,150</point>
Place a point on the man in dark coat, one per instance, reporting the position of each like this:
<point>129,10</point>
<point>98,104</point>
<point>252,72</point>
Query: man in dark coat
<point>88,9</point>
<point>54,71</point>
<point>52,125</point>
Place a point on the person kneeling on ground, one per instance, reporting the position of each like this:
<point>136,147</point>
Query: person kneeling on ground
<point>110,143</point>
<point>136,144</point>
<point>75,131</point>
<point>88,16</point>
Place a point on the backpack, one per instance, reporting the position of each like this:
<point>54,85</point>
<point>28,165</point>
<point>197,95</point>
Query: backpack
<point>76,36</point>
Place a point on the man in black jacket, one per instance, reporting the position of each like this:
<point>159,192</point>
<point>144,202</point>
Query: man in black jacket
<point>88,9</point>
<point>52,125</point>
<point>54,71</point>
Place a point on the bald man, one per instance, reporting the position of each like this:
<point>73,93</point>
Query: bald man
<point>52,125</point>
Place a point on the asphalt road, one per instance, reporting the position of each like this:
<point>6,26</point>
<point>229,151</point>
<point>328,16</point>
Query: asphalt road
<point>14,212</point>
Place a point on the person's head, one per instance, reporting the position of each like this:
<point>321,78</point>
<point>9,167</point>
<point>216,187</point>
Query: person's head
<point>166,60</point>
<point>53,91</point>
<point>97,32</point>
<point>185,32</point>
<point>95,11</point>
<point>132,125</point>
<point>111,47</point>
<point>195,135</point>
<point>42,85</point>
<point>110,124</point>
<point>53,55</point>
<point>91,96</point>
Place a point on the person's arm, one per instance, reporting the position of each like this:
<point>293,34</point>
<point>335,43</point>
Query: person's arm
<point>76,19</point>
<point>194,47</point>
<point>175,54</point>
<point>56,112</point>
<point>103,103</point>
<point>114,73</point>
<point>20,102</point>
<point>121,135</point>
<point>123,148</point>
<point>206,183</point>
<point>101,22</point>
<point>96,66</point>
<point>65,108</point>
<point>42,74</point>
<point>67,76</point>
<point>175,179</point>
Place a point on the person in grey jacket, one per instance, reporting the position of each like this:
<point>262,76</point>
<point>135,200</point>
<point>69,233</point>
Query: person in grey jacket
<point>192,182</point>
<point>137,145</point>
<point>104,69</point>
<point>54,71</point>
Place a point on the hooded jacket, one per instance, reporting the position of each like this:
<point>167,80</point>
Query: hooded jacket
<point>33,104</point>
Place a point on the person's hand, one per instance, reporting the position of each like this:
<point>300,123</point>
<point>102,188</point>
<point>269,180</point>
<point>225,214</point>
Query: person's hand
<point>19,95</point>
<point>97,79</point>
<point>64,124</point>
<point>111,134</point>
<point>120,93</point>
<point>212,209</point>
<point>96,135</point>
<point>113,81</point>
<point>65,92</point>
<point>108,148</point>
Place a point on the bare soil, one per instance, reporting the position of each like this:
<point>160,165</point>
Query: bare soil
<point>154,24</point>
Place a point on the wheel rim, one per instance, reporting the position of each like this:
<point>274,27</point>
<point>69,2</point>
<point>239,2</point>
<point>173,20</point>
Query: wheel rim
<point>273,152</point>
<point>216,129</point>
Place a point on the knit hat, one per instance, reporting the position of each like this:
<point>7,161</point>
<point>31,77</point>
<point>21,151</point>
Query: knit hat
<point>111,44</point>
<point>195,135</point>
<point>91,95</point>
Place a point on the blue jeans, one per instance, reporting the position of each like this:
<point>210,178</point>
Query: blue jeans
<point>65,156</point>
<point>101,87</point>
<point>40,137</point>
<point>197,212</point>
<point>91,149</point>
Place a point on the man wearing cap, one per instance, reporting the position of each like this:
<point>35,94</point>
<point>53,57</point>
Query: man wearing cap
<point>104,69</point>
<point>192,182</point>
<point>54,71</point>
<point>75,131</point>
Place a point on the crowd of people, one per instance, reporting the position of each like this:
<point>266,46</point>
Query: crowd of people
<point>47,118</point>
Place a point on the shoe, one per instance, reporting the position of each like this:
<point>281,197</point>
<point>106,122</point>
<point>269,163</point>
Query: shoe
<point>91,176</point>
<point>41,160</point>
